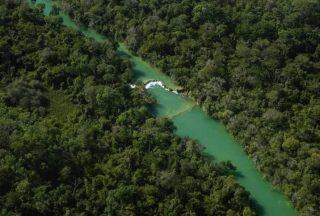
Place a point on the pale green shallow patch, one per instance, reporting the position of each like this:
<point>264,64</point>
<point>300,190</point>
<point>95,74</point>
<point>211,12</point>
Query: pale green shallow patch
<point>192,122</point>
<point>169,104</point>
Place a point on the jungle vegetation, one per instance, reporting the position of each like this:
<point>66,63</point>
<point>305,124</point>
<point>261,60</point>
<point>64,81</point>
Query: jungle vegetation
<point>75,139</point>
<point>252,64</point>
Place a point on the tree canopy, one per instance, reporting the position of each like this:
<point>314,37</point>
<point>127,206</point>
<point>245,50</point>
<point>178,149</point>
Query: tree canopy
<point>253,64</point>
<point>75,139</point>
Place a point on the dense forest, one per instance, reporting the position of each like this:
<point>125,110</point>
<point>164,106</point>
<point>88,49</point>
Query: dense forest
<point>75,139</point>
<point>252,64</point>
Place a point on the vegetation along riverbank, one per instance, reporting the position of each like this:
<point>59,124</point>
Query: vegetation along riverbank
<point>254,65</point>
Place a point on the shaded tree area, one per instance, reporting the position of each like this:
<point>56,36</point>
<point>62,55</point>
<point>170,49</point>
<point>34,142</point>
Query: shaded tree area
<point>106,154</point>
<point>254,65</point>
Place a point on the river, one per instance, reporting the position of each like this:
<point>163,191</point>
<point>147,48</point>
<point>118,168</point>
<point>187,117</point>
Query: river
<point>192,122</point>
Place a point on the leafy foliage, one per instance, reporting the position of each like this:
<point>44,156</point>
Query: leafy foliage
<point>75,139</point>
<point>252,64</point>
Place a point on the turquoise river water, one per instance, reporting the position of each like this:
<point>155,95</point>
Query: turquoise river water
<point>192,122</point>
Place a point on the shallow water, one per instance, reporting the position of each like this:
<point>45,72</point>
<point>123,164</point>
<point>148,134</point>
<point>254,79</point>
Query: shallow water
<point>192,122</point>
<point>143,71</point>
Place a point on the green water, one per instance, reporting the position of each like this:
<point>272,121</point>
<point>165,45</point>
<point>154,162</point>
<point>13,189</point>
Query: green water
<point>194,123</point>
<point>191,121</point>
<point>142,71</point>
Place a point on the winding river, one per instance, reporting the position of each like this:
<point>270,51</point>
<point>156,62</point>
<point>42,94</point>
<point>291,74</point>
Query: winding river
<point>192,122</point>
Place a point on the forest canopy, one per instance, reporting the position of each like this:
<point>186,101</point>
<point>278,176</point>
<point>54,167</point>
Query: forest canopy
<point>253,64</point>
<point>75,139</point>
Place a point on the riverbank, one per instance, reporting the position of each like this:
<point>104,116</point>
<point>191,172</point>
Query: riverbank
<point>192,122</point>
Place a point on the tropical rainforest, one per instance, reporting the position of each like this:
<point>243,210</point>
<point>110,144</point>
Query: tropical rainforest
<point>75,139</point>
<point>252,64</point>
